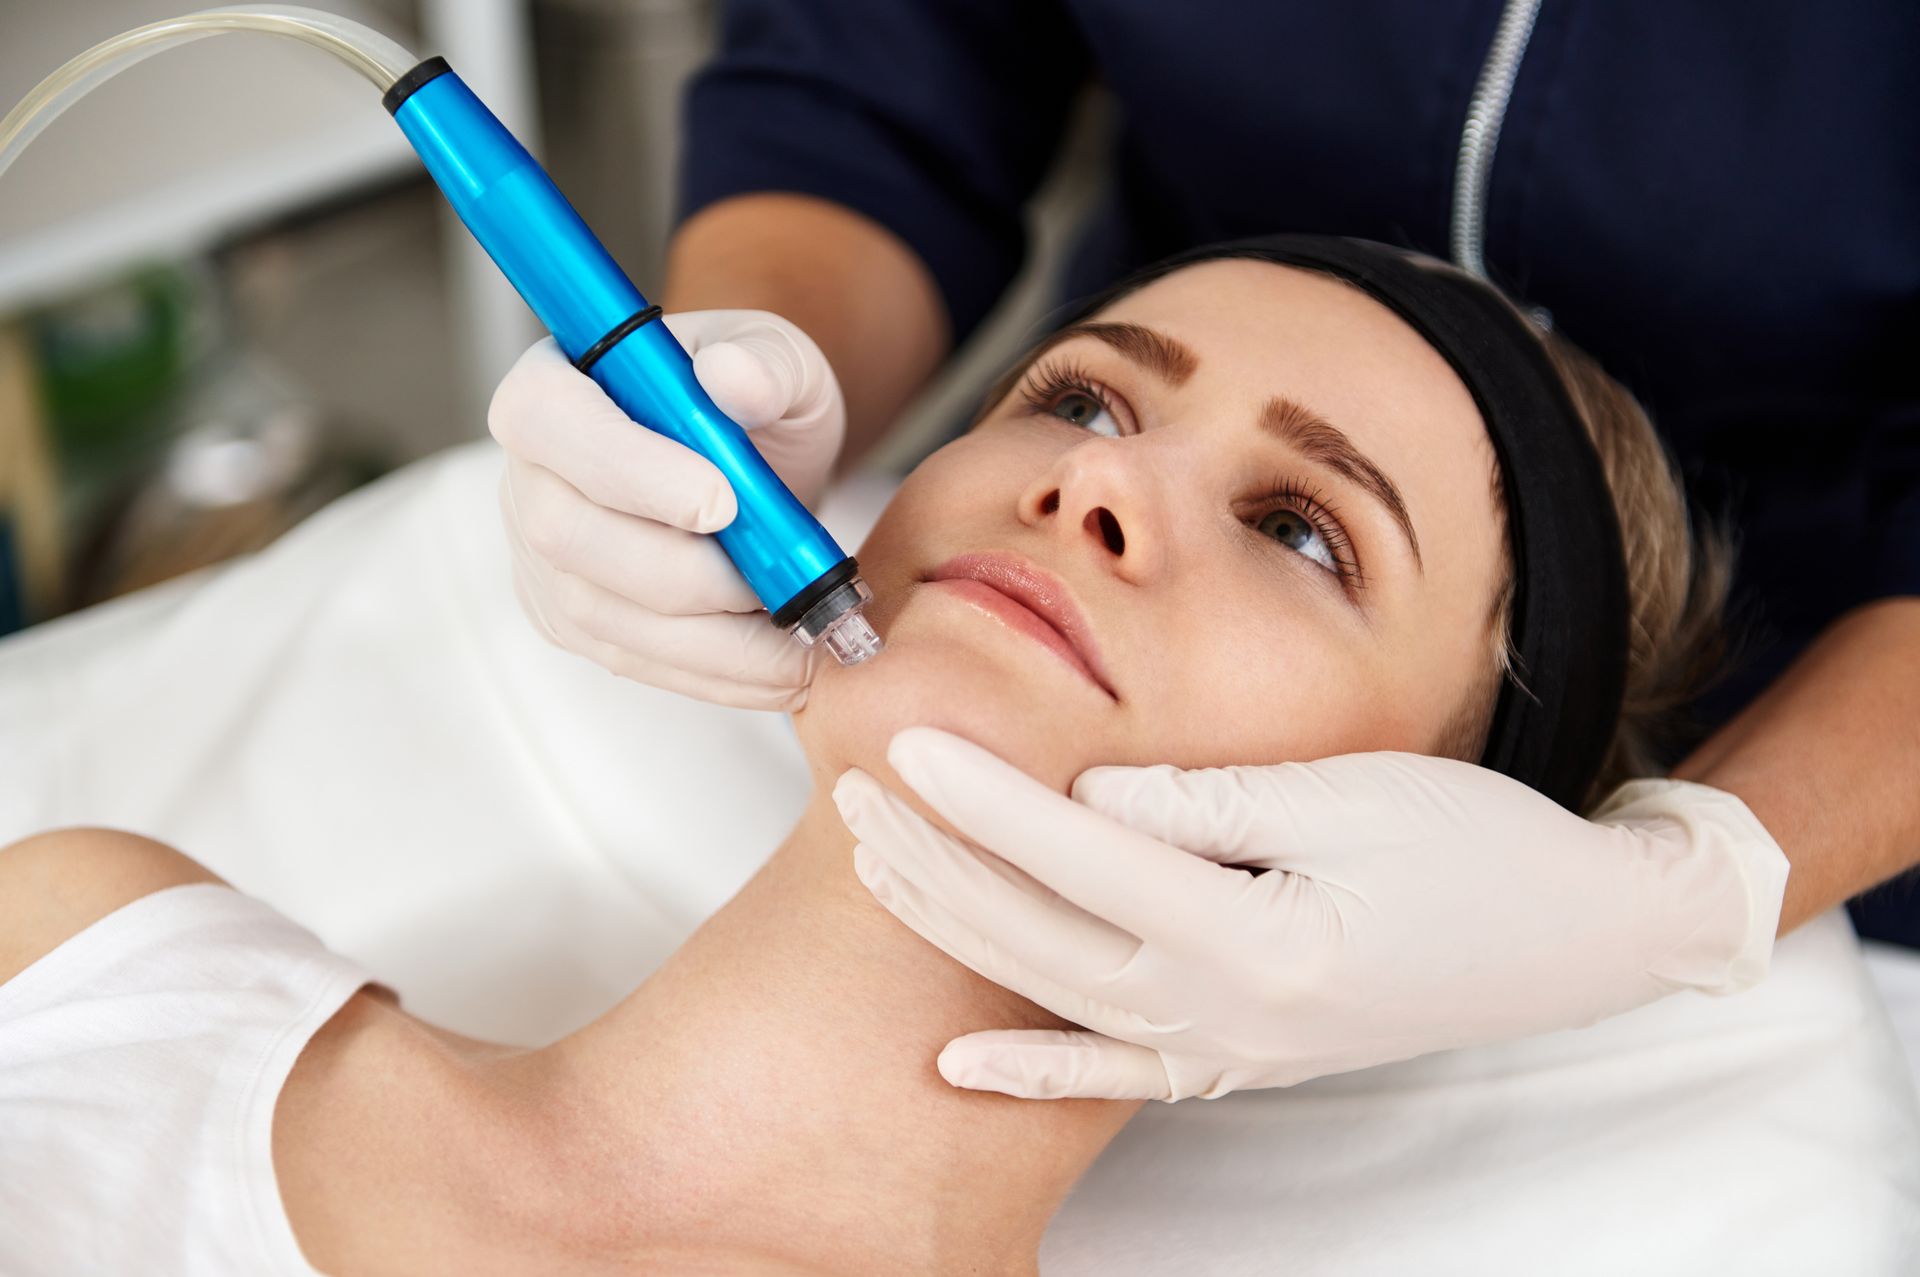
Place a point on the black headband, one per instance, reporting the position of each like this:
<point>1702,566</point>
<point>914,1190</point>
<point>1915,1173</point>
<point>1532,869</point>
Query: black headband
<point>1552,727</point>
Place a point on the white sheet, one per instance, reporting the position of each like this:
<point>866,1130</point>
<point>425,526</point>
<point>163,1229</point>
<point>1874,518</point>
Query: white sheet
<point>358,727</point>
<point>1895,972</point>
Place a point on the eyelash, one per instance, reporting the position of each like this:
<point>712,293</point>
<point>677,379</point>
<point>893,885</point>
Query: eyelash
<point>1047,383</point>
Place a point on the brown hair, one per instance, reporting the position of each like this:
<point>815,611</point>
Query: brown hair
<point>1678,570</point>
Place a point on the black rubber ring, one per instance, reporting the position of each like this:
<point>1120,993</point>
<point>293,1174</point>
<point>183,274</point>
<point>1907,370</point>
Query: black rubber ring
<point>612,339</point>
<point>826,583</point>
<point>404,87</point>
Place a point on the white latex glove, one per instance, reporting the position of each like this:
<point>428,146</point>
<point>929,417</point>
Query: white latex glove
<point>604,517</point>
<point>1414,904</point>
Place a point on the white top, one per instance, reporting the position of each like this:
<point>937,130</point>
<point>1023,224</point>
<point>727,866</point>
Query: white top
<point>140,1062</point>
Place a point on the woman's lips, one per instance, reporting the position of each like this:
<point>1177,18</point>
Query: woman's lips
<point>1023,597</point>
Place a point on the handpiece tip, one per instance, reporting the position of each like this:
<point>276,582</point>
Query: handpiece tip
<point>836,622</point>
<point>852,639</point>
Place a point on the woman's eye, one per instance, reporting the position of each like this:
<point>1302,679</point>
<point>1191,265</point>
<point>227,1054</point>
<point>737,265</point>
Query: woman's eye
<point>1088,413</point>
<point>1295,531</point>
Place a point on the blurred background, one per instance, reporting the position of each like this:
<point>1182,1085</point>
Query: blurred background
<point>228,295</point>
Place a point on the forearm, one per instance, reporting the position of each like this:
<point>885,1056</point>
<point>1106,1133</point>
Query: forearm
<point>851,285</point>
<point>1829,759</point>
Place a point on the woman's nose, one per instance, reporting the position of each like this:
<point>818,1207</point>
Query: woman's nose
<point>1097,496</point>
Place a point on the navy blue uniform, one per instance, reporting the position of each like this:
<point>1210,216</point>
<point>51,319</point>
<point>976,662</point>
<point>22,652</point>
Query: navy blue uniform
<point>1720,202</point>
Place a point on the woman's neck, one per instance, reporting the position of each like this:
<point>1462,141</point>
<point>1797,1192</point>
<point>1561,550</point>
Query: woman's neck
<point>772,1088</point>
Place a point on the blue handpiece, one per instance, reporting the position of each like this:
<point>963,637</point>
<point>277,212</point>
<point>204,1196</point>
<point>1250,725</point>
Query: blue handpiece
<point>809,585</point>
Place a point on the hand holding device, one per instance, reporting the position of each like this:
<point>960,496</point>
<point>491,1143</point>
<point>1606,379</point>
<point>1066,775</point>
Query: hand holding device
<point>607,524</point>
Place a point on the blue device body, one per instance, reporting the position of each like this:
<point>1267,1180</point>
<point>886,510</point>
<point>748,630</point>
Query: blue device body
<point>582,296</point>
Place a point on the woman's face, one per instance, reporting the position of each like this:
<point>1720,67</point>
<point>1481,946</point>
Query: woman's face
<point>1208,508</point>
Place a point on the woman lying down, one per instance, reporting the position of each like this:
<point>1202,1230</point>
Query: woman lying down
<point>1270,516</point>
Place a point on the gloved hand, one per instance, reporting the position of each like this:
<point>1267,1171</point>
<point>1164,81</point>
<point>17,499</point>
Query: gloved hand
<point>1412,904</point>
<point>603,516</point>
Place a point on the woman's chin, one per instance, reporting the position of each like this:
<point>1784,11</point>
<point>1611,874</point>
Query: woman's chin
<point>953,678</point>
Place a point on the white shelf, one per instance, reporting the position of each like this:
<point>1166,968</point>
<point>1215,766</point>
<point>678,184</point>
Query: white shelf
<point>177,153</point>
<point>207,140</point>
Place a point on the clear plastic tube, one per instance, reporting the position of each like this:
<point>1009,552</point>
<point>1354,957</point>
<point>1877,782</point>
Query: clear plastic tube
<point>374,56</point>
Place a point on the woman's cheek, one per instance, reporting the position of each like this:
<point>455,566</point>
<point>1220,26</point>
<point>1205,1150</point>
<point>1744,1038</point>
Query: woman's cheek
<point>1289,699</point>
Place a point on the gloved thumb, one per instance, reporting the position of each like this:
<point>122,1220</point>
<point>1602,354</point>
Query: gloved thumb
<point>759,376</point>
<point>1051,1064</point>
<point>770,377</point>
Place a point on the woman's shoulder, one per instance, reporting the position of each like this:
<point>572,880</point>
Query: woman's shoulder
<point>56,884</point>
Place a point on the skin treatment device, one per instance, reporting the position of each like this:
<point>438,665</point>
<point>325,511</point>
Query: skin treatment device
<point>811,588</point>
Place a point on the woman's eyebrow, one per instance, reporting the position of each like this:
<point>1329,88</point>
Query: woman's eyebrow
<point>1317,439</point>
<point>1158,353</point>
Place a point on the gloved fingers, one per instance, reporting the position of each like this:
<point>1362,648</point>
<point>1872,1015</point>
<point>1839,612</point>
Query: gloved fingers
<point>1209,812</point>
<point>984,894</point>
<point>1714,862</point>
<point>670,674</point>
<point>542,593</point>
<point>549,414</point>
<point>663,568</point>
<point>1051,1064</point>
<point>1296,815</point>
<point>1158,892</point>
<point>731,647</point>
